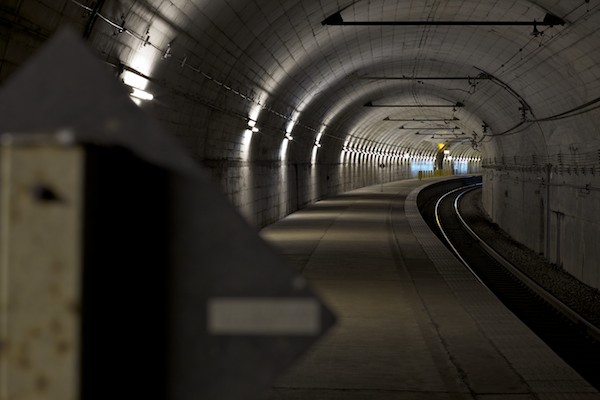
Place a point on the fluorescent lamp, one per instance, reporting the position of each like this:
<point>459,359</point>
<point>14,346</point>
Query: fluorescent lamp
<point>141,94</point>
<point>134,80</point>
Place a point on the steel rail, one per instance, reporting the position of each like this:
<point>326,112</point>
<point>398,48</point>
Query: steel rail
<point>447,238</point>
<point>563,308</point>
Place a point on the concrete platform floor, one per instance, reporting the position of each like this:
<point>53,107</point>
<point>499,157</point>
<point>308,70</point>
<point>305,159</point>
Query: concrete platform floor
<point>412,322</point>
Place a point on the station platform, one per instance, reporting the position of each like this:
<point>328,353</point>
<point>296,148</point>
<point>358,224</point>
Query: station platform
<point>413,323</point>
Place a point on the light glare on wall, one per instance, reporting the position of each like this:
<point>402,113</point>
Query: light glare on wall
<point>313,157</point>
<point>318,140</point>
<point>247,137</point>
<point>283,150</point>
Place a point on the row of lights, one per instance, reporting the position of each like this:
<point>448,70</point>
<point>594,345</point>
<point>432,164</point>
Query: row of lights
<point>138,94</point>
<point>138,83</point>
<point>347,149</point>
<point>465,159</point>
<point>407,156</point>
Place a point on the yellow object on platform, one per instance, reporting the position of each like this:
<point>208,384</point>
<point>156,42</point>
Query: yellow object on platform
<point>435,173</point>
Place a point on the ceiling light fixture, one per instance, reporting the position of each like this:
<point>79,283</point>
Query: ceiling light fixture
<point>252,126</point>
<point>141,94</point>
<point>136,82</point>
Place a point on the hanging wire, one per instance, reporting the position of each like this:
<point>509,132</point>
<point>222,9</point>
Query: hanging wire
<point>90,9</point>
<point>562,32</point>
<point>579,110</point>
<point>572,112</point>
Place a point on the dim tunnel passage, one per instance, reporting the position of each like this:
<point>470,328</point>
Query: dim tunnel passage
<point>289,105</point>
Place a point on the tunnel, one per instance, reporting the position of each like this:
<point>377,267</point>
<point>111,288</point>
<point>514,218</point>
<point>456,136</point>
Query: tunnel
<point>287,103</point>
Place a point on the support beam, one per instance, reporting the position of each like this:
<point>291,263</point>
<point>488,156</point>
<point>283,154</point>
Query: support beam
<point>337,20</point>
<point>427,78</point>
<point>421,120</point>
<point>457,105</point>
<point>437,128</point>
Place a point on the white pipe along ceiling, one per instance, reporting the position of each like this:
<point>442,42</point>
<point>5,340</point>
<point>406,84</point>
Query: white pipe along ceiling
<point>287,102</point>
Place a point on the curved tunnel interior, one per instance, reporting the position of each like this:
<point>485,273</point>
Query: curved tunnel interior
<point>288,102</point>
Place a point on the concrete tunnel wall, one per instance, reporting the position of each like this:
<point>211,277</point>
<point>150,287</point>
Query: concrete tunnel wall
<point>558,220</point>
<point>219,69</point>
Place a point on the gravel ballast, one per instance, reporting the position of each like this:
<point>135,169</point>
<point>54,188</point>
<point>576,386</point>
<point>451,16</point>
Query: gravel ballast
<point>580,297</point>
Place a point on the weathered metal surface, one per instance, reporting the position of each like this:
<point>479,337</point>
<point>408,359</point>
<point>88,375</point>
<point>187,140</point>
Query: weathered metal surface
<point>40,264</point>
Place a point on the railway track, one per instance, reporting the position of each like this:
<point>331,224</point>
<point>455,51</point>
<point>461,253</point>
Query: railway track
<point>573,338</point>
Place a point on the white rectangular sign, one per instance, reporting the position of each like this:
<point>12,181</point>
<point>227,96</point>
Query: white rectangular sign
<point>263,316</point>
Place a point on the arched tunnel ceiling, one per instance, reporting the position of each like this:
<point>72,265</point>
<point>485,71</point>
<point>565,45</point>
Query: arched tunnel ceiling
<point>246,56</point>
